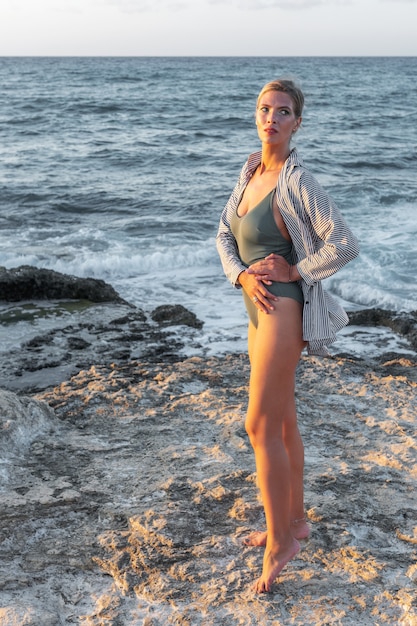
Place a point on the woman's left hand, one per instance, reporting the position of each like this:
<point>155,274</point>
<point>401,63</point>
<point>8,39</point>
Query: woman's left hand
<point>274,268</point>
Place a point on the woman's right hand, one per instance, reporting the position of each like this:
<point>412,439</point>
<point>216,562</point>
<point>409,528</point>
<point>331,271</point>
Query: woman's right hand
<point>257,292</point>
<point>274,268</point>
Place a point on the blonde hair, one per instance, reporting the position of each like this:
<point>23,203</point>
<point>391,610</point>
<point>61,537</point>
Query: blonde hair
<point>286,86</point>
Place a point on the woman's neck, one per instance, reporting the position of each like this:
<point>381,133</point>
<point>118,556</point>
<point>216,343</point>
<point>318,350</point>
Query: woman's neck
<point>273,160</point>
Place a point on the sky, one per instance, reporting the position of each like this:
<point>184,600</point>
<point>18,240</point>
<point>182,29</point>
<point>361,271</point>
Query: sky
<point>208,27</point>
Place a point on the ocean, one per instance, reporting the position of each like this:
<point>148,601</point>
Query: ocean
<point>119,168</point>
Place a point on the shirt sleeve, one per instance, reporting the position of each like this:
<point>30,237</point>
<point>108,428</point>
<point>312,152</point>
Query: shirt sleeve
<point>333,243</point>
<point>225,241</point>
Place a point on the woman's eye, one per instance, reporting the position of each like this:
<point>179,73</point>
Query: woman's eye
<point>284,112</point>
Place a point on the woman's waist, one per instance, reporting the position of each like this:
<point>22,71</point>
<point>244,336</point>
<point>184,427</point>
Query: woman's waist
<point>248,261</point>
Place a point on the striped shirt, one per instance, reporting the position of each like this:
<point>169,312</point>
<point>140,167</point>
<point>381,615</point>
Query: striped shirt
<point>323,243</point>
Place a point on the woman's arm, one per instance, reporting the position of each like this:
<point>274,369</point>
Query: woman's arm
<point>274,268</point>
<point>327,242</point>
<point>225,241</point>
<point>332,243</point>
<point>228,252</point>
<point>234,268</point>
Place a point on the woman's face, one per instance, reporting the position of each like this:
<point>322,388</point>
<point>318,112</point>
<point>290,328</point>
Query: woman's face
<point>275,118</point>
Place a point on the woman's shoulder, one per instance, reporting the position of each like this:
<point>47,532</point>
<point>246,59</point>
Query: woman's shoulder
<point>249,166</point>
<point>302,178</point>
<point>253,161</point>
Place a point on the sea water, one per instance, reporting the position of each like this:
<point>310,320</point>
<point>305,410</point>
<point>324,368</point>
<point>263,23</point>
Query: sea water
<point>119,168</point>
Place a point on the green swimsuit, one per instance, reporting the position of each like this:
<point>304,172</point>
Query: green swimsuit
<point>258,235</point>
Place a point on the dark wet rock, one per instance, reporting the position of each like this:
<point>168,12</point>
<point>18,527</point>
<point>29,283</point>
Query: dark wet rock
<point>97,334</point>
<point>173,314</point>
<point>77,343</point>
<point>32,283</point>
<point>134,316</point>
<point>40,341</point>
<point>404,324</point>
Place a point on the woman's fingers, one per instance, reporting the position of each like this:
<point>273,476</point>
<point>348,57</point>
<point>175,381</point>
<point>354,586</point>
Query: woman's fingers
<point>272,268</point>
<point>257,292</point>
<point>263,300</point>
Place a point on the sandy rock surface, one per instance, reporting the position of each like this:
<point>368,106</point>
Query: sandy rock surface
<point>127,504</point>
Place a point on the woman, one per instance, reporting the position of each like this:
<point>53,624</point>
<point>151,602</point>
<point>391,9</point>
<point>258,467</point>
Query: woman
<point>280,234</point>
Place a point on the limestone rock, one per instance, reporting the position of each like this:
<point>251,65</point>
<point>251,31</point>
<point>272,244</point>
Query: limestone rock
<point>129,508</point>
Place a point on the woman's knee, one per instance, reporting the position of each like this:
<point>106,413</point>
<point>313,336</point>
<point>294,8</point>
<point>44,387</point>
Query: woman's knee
<point>250,425</point>
<point>262,429</point>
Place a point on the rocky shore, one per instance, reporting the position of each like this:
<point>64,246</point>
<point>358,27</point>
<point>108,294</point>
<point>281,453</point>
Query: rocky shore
<point>93,325</point>
<point>127,481</point>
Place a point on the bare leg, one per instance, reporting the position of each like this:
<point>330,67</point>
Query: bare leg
<point>299,528</point>
<point>251,339</point>
<point>271,423</point>
<point>295,451</point>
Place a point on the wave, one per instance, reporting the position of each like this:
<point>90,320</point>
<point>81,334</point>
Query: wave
<point>98,181</point>
<point>22,420</point>
<point>121,262</point>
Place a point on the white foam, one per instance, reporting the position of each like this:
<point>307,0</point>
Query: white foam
<point>22,420</point>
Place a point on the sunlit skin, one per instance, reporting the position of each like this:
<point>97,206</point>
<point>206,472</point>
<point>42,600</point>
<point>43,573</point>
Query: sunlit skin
<point>274,350</point>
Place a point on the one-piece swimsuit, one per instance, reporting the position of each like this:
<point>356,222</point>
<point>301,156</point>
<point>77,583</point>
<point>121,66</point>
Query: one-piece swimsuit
<point>257,235</point>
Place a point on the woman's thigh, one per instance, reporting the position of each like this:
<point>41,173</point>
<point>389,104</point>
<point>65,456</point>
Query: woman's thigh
<point>275,352</point>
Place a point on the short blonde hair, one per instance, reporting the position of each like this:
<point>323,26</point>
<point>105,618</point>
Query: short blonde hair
<point>286,86</point>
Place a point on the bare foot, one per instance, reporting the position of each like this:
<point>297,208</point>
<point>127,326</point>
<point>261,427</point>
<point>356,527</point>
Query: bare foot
<point>257,539</point>
<point>299,530</point>
<point>274,563</point>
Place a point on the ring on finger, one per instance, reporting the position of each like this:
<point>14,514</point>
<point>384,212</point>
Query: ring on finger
<point>255,299</point>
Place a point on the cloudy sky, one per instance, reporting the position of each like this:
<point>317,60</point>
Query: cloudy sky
<point>208,27</point>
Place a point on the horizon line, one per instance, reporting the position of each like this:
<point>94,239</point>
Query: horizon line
<point>211,56</point>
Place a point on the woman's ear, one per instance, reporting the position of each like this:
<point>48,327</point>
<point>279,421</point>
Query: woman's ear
<point>297,125</point>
